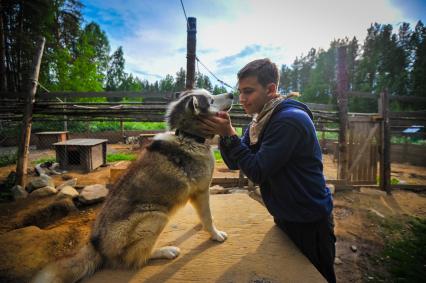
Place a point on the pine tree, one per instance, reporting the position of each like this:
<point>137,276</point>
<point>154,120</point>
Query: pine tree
<point>418,73</point>
<point>180,80</point>
<point>115,74</point>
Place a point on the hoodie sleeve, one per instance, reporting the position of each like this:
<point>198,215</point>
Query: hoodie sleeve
<point>278,144</point>
<point>225,150</point>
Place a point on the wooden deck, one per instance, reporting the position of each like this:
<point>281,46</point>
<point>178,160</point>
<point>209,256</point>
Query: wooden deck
<point>256,250</point>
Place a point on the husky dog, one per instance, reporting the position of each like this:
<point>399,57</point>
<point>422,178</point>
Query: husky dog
<point>170,171</point>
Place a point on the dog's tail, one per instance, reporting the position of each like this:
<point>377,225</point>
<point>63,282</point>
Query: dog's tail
<point>72,269</point>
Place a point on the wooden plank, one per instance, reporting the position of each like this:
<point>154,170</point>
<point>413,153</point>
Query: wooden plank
<point>351,146</point>
<point>109,94</point>
<point>364,147</point>
<point>413,188</point>
<point>417,114</point>
<point>230,182</point>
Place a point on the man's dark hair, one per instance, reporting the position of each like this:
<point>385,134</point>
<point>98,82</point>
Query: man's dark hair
<point>264,70</point>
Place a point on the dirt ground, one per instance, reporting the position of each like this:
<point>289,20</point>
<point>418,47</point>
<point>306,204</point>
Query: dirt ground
<point>357,214</point>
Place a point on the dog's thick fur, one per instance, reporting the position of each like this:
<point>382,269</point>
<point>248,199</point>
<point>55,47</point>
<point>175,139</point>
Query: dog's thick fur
<point>170,171</point>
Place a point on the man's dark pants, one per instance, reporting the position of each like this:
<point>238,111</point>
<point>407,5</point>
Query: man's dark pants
<point>316,241</point>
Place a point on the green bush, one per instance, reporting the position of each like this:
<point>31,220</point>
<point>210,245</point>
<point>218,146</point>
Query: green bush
<point>7,159</point>
<point>405,257</point>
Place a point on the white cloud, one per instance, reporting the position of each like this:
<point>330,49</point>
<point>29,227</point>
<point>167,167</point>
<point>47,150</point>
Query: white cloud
<point>284,29</point>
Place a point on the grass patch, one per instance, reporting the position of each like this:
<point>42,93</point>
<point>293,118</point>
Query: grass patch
<point>45,159</point>
<point>112,157</point>
<point>404,252</point>
<point>405,258</point>
<point>217,155</point>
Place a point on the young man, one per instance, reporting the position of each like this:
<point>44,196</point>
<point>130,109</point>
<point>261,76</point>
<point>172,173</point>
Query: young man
<point>281,153</point>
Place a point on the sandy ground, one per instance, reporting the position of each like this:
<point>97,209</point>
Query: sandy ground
<point>355,213</point>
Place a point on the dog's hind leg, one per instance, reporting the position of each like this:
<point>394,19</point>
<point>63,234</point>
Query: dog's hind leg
<point>201,203</point>
<point>143,237</point>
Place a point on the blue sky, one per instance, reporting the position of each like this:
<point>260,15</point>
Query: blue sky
<point>231,33</point>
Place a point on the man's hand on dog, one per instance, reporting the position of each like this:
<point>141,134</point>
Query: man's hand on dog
<point>217,125</point>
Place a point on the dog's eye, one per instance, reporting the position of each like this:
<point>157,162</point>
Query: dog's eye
<point>212,101</point>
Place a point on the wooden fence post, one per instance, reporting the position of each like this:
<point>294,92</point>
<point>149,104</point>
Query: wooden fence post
<point>342,103</point>
<point>385,165</point>
<point>191,52</point>
<point>3,77</point>
<point>23,149</point>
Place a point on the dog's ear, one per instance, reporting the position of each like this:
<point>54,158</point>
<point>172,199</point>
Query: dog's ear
<point>198,104</point>
<point>193,105</point>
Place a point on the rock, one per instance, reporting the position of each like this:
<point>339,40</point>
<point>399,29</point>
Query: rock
<point>68,191</point>
<point>354,248</point>
<point>42,212</point>
<point>66,177</point>
<point>93,194</point>
<point>337,261</point>
<point>19,192</point>
<point>27,250</point>
<point>40,182</point>
<point>42,192</point>
<point>216,189</point>
<point>70,182</point>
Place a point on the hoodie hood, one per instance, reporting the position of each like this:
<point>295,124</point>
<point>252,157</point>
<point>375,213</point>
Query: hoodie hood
<point>291,103</point>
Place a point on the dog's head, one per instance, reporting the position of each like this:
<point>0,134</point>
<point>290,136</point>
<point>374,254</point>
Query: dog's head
<point>183,113</point>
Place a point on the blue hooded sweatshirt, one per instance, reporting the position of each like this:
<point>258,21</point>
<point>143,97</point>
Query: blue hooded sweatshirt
<point>287,164</point>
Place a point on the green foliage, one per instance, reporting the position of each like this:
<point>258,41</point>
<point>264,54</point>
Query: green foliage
<point>328,135</point>
<point>217,155</point>
<point>8,159</point>
<point>180,80</point>
<point>219,89</point>
<point>112,157</point>
<point>129,126</point>
<point>404,254</point>
<point>203,81</point>
<point>395,61</point>
<point>116,75</point>
<point>144,126</point>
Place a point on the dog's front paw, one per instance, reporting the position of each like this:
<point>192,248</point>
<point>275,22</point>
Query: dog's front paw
<point>168,252</point>
<point>219,236</point>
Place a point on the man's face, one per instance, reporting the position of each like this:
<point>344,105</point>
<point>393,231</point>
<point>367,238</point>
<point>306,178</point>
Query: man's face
<point>253,95</point>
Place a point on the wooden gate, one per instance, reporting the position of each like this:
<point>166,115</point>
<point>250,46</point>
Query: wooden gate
<point>363,150</point>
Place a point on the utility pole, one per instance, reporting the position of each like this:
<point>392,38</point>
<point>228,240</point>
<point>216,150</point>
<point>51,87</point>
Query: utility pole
<point>191,44</point>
